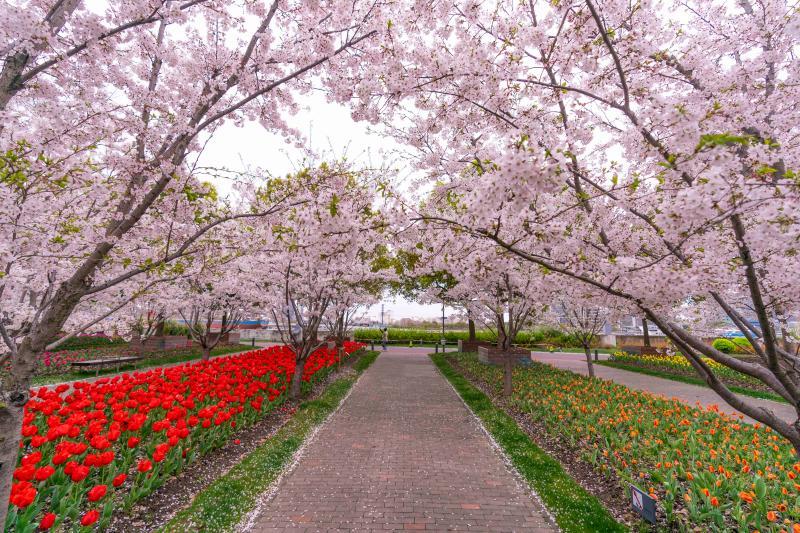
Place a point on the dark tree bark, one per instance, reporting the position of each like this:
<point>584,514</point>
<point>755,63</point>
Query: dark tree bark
<point>202,333</point>
<point>587,350</point>
<point>206,353</point>
<point>296,387</point>
<point>471,325</point>
<point>645,332</point>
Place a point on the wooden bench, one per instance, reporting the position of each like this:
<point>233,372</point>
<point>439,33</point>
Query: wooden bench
<point>109,362</point>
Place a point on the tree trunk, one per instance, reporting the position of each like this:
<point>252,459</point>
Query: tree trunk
<point>206,352</point>
<point>295,388</point>
<point>471,325</point>
<point>15,395</point>
<point>645,332</point>
<point>10,424</point>
<point>589,362</point>
<point>508,374</point>
<point>786,338</point>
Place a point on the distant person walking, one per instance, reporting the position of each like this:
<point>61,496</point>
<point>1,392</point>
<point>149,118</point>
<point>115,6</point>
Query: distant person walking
<point>385,338</point>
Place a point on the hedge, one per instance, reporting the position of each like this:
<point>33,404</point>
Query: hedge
<point>537,336</point>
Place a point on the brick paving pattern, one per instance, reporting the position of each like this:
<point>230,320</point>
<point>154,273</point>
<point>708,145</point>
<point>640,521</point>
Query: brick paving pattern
<point>402,453</point>
<point>686,392</point>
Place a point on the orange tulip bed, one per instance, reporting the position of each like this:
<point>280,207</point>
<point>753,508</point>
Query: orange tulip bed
<point>703,467</point>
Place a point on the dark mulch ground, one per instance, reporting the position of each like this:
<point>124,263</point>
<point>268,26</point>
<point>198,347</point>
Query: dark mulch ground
<point>159,507</point>
<point>605,486</point>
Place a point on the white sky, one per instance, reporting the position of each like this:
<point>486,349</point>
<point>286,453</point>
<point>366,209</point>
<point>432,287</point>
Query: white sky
<point>329,129</point>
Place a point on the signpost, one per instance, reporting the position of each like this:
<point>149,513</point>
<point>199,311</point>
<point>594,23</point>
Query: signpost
<point>643,504</point>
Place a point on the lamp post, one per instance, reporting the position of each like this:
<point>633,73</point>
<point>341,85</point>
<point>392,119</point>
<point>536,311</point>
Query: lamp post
<point>443,326</point>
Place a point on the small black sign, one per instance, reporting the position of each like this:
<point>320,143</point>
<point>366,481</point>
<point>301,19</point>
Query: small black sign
<point>643,504</point>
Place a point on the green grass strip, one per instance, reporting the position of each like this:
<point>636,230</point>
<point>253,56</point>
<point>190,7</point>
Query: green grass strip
<point>691,380</point>
<point>223,504</point>
<point>574,508</point>
<point>365,361</point>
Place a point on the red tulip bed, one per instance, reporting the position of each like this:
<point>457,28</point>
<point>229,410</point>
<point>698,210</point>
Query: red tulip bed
<point>100,446</point>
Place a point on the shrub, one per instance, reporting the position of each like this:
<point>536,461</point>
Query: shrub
<point>724,345</point>
<point>742,345</point>
<point>537,336</point>
<point>89,341</point>
<point>173,328</point>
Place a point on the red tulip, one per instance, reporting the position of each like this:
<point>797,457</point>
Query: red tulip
<point>22,494</point>
<point>90,518</point>
<point>44,472</point>
<point>47,521</point>
<point>60,458</point>
<point>25,473</point>
<point>94,417</point>
<point>100,443</point>
<point>144,465</point>
<point>97,492</point>
<point>79,473</point>
<point>31,458</point>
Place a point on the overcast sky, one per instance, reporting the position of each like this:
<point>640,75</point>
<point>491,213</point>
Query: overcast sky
<point>331,131</point>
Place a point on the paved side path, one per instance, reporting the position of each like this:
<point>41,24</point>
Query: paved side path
<point>403,452</point>
<point>686,392</point>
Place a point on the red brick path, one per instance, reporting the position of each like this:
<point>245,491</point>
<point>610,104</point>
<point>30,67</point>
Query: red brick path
<point>403,452</point>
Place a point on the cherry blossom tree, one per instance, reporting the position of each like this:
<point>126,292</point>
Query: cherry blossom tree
<point>492,285</point>
<point>318,252</point>
<point>202,325</point>
<point>104,116</point>
<point>344,310</point>
<point>610,149</point>
<point>501,294</point>
<point>212,306</point>
<point>583,313</point>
